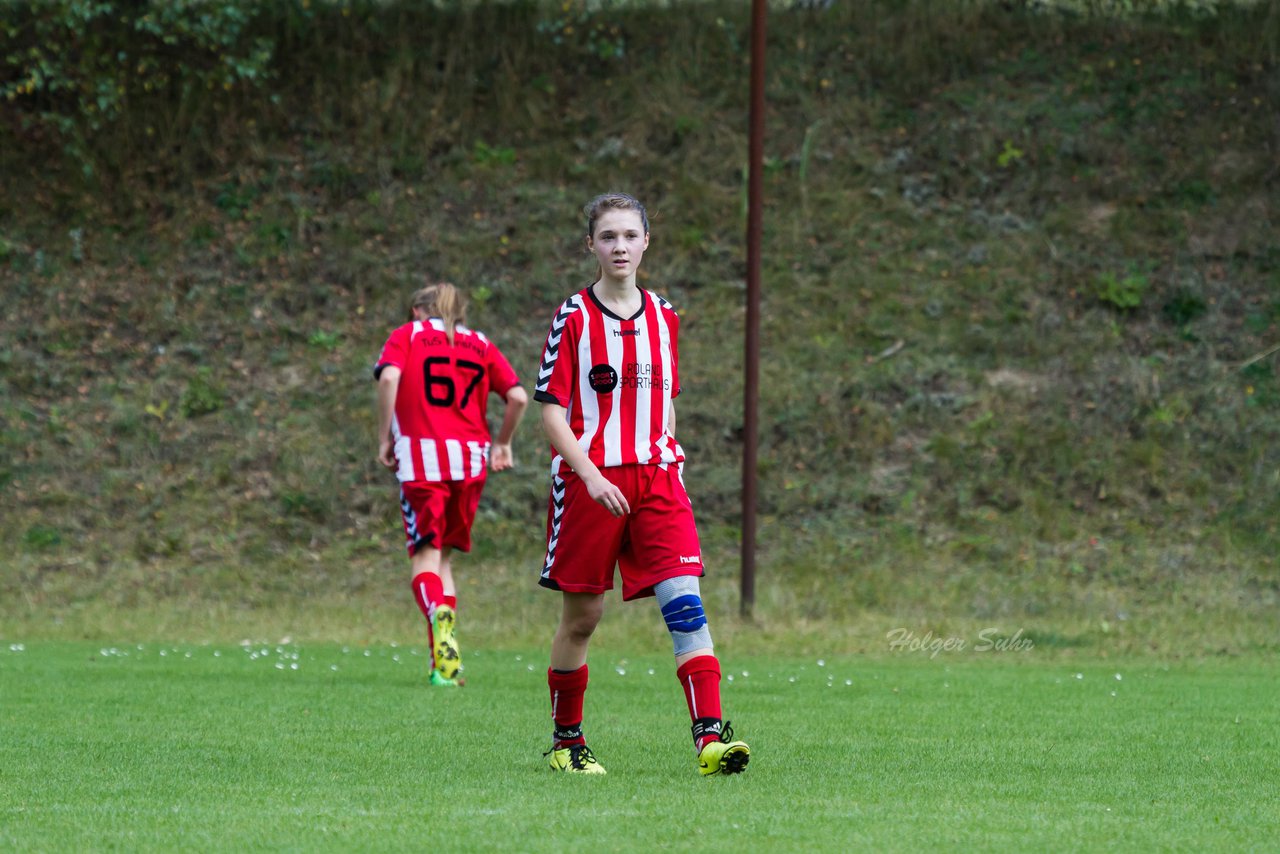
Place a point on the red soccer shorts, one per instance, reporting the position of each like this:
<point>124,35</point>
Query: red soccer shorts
<point>438,514</point>
<point>657,540</point>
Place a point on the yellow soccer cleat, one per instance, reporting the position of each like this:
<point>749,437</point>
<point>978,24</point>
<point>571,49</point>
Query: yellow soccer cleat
<point>574,759</point>
<point>448,659</point>
<point>724,757</point>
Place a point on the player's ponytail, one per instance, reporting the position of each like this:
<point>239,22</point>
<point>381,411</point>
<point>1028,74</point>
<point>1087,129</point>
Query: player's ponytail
<point>444,301</point>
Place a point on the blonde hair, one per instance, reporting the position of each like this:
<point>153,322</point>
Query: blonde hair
<point>444,301</point>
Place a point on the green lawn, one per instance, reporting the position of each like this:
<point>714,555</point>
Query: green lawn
<point>290,746</point>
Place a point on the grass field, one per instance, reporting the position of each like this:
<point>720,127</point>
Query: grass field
<point>1021,304</point>
<point>286,746</point>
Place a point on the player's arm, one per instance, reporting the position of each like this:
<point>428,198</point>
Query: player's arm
<point>600,488</point>
<point>671,418</point>
<point>388,385</point>
<point>500,455</point>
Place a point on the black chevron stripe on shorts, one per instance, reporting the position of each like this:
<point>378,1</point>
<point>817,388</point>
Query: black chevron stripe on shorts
<point>557,512</point>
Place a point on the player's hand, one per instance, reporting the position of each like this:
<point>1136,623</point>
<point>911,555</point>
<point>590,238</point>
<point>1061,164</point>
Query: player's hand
<point>387,453</point>
<point>608,496</point>
<point>500,457</point>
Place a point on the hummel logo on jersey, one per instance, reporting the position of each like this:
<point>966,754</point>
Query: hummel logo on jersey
<point>618,333</point>
<point>693,559</point>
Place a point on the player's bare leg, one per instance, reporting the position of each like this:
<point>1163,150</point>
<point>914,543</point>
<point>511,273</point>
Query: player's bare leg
<point>567,680</point>
<point>579,616</point>
<point>446,572</point>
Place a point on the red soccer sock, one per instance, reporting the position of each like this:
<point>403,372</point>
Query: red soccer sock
<point>700,678</point>
<point>451,601</point>
<point>428,592</point>
<point>567,691</point>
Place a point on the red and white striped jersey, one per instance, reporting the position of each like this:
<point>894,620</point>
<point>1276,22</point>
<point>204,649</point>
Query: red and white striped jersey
<point>616,377</point>
<point>439,426</point>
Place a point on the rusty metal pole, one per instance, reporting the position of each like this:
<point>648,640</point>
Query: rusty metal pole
<point>751,386</point>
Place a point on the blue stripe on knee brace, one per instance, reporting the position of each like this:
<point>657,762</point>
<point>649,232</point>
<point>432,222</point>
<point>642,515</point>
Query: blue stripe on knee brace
<point>682,610</point>
<point>684,613</point>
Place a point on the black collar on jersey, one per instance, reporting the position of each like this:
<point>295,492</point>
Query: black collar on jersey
<point>644,303</point>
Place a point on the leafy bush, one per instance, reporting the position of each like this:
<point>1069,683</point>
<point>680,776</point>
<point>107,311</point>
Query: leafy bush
<point>1184,307</point>
<point>1124,293</point>
<point>325,339</point>
<point>74,68</point>
<point>202,395</point>
<point>42,537</point>
<point>1125,8</point>
<point>585,26</point>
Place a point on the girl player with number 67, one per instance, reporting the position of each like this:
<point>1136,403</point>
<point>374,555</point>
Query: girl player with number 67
<point>434,378</point>
<point>607,384</point>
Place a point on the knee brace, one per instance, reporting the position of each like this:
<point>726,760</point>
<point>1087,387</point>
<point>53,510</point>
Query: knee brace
<point>681,605</point>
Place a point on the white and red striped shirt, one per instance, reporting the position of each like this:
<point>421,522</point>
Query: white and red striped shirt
<point>439,427</point>
<point>616,377</point>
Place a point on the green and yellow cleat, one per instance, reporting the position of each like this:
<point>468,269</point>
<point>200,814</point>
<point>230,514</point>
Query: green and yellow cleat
<point>574,759</point>
<point>438,680</point>
<point>448,659</point>
<point>724,757</point>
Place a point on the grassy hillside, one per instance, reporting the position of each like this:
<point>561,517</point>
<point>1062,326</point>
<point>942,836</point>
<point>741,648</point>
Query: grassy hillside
<point>1021,273</point>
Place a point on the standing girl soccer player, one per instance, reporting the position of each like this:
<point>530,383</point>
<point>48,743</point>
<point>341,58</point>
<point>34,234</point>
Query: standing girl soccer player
<point>607,384</point>
<point>434,378</point>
